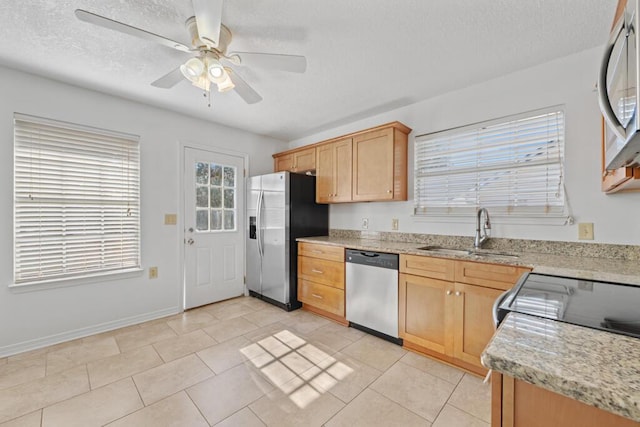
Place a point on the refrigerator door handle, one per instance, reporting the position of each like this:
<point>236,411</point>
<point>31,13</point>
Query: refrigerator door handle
<point>259,224</point>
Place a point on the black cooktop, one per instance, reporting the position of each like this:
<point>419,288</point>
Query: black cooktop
<point>613,307</point>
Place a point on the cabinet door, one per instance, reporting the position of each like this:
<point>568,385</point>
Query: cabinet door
<point>324,173</point>
<point>342,170</point>
<point>425,312</point>
<point>333,172</point>
<point>304,160</point>
<point>283,163</point>
<point>373,160</point>
<point>473,321</point>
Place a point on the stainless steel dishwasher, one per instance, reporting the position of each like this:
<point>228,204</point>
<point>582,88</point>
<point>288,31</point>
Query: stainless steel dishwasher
<point>372,293</point>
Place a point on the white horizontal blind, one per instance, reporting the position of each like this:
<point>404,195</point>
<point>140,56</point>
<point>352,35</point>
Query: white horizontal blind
<point>513,166</point>
<point>76,200</point>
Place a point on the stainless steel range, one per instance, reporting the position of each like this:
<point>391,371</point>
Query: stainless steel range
<point>613,307</point>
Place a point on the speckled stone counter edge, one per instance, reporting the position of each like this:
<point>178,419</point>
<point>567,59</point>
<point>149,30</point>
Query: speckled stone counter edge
<point>595,367</point>
<point>591,250</point>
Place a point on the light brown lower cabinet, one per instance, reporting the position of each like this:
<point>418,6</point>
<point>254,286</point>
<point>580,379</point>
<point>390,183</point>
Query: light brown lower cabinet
<point>450,319</point>
<point>321,280</point>
<point>516,403</point>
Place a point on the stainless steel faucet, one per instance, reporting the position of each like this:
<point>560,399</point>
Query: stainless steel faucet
<point>481,228</point>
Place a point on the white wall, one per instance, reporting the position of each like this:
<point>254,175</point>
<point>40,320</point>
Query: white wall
<point>33,319</point>
<point>569,81</point>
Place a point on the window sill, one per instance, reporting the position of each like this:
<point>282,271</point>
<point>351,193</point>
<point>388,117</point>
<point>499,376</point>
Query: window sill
<point>65,282</point>
<point>496,219</point>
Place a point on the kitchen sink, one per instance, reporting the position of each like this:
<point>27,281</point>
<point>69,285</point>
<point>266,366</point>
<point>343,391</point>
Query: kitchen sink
<point>443,250</point>
<point>490,254</point>
<point>475,252</point>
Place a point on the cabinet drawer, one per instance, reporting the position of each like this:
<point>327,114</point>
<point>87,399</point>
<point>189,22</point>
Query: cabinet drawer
<point>318,270</point>
<point>436,268</point>
<point>489,275</point>
<point>321,296</point>
<point>318,250</point>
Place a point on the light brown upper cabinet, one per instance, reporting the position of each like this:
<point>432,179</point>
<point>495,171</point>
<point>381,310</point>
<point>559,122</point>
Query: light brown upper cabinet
<point>300,160</point>
<point>333,171</point>
<point>380,165</point>
<point>364,166</point>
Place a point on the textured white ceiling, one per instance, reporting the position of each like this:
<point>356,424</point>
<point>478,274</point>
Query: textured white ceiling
<point>364,56</point>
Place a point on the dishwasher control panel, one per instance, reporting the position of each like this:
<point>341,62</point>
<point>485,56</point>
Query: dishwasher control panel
<point>373,259</point>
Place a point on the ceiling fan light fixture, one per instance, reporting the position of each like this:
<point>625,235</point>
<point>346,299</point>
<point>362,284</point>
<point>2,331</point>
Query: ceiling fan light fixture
<point>215,70</point>
<point>192,69</point>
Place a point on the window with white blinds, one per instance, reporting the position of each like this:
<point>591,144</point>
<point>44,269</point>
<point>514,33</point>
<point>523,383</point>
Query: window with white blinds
<point>513,166</point>
<point>76,201</point>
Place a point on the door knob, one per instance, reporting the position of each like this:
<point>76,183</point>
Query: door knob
<point>190,242</point>
<point>190,229</point>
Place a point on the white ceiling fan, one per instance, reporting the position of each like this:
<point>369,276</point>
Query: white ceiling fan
<point>211,63</point>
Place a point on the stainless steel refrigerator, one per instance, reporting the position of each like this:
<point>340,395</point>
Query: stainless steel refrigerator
<point>280,208</point>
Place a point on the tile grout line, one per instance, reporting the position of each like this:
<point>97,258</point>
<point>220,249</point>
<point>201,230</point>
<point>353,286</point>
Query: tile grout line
<point>195,404</point>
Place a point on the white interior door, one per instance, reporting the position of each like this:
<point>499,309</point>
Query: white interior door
<point>213,226</point>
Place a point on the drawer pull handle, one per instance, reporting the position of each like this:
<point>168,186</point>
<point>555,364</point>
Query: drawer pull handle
<point>317,296</point>
<point>317,271</point>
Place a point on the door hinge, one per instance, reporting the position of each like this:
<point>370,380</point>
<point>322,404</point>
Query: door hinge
<point>244,280</point>
<point>244,171</point>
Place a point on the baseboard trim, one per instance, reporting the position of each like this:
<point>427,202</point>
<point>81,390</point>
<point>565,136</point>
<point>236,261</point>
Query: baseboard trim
<point>37,343</point>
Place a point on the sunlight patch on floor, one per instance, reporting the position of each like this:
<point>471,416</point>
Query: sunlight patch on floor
<point>301,370</point>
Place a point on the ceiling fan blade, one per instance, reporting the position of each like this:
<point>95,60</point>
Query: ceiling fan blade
<point>243,89</point>
<point>291,63</point>
<point>169,80</point>
<point>101,21</point>
<point>208,20</point>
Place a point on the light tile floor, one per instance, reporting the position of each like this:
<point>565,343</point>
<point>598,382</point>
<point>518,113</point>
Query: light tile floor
<point>240,362</point>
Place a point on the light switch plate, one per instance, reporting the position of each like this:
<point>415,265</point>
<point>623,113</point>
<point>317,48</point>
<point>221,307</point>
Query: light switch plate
<point>365,223</point>
<point>170,219</point>
<point>394,224</point>
<point>585,231</point>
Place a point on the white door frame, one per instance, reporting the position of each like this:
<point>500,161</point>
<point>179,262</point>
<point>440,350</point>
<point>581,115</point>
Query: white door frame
<point>182,145</point>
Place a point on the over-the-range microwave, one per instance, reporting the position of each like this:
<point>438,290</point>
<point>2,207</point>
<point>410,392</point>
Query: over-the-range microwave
<point>619,90</point>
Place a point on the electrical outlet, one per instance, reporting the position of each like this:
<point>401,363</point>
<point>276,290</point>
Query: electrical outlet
<point>153,272</point>
<point>394,224</point>
<point>585,231</point>
<point>365,223</point>
<point>170,219</point>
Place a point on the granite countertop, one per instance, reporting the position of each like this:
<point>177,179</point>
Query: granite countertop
<point>595,367</point>
<point>605,269</point>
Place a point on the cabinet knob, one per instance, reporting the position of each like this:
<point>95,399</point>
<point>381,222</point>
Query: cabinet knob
<point>458,293</point>
<point>448,292</point>
<point>389,191</point>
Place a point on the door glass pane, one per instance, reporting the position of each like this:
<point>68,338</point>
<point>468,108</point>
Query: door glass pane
<point>216,174</point>
<point>229,176</point>
<point>229,219</point>
<point>202,173</point>
<point>216,197</point>
<point>229,198</point>
<point>216,219</point>
<point>215,191</point>
<point>202,219</point>
<point>202,198</point>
